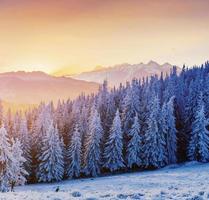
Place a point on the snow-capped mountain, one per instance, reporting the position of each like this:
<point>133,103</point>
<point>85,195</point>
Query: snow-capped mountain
<point>33,87</point>
<point>124,72</point>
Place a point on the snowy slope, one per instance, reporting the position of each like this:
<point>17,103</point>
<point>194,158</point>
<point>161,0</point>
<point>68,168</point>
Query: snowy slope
<point>187,181</point>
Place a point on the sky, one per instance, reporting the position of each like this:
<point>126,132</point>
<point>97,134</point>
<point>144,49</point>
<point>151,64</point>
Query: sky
<point>71,36</point>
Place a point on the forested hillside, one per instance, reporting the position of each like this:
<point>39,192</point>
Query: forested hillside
<point>145,124</point>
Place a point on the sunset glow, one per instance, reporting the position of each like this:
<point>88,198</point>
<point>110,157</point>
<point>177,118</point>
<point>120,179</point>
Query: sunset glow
<point>75,36</point>
<point>100,93</point>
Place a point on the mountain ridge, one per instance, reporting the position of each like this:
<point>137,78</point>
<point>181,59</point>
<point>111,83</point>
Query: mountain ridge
<point>33,87</point>
<point>125,72</point>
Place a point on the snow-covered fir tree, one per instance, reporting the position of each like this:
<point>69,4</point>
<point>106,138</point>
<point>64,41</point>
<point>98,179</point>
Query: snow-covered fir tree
<point>110,113</point>
<point>92,155</point>
<point>5,160</point>
<point>206,95</point>
<point>25,140</point>
<point>130,108</point>
<point>9,123</point>
<point>154,154</point>
<point>51,167</point>
<point>113,153</point>
<point>134,147</point>
<point>198,148</point>
<point>169,130</point>
<point>102,100</point>
<point>74,154</point>
<point>1,114</point>
<point>18,172</point>
<point>16,124</point>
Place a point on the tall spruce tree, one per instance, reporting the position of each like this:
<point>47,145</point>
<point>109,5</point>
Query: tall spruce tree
<point>5,160</point>
<point>199,142</point>
<point>113,154</point>
<point>1,114</point>
<point>134,147</point>
<point>130,107</point>
<point>18,172</point>
<point>74,154</point>
<point>25,140</point>
<point>92,155</point>
<point>154,141</point>
<point>51,167</point>
<point>169,131</point>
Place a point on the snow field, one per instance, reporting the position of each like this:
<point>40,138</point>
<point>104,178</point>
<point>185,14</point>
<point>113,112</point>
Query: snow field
<point>189,181</point>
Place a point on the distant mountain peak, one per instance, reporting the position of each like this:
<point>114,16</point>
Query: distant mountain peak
<point>125,72</point>
<point>151,62</point>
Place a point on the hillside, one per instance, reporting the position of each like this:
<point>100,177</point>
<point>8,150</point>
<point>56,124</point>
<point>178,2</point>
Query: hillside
<point>124,72</point>
<point>187,181</point>
<point>34,87</point>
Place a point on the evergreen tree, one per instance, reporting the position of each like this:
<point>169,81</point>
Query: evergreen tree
<point>169,130</point>
<point>92,156</point>
<point>1,113</point>
<point>16,125</point>
<point>154,141</point>
<point>130,108</point>
<point>113,156</point>
<point>26,144</point>
<point>199,143</point>
<point>9,123</point>
<point>74,154</point>
<point>18,172</point>
<point>51,167</point>
<point>5,160</point>
<point>134,147</point>
<point>110,113</point>
<point>105,107</point>
<point>206,96</point>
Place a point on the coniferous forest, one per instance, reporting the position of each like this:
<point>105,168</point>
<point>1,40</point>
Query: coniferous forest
<point>144,124</point>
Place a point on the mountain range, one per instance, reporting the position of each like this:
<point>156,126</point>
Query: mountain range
<point>124,72</point>
<point>30,88</point>
<point>33,87</point>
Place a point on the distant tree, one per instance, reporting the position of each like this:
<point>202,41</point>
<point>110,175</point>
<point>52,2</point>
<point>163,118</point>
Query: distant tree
<point>103,96</point>
<point>9,123</point>
<point>16,125</point>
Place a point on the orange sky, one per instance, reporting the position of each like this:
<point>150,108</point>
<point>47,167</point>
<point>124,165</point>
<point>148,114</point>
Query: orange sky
<point>77,35</point>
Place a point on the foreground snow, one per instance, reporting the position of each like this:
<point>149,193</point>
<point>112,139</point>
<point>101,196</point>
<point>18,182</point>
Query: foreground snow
<point>187,181</point>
